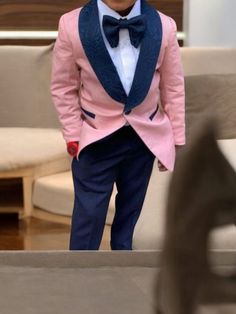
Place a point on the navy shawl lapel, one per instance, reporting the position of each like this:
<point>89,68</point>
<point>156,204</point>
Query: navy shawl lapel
<point>148,57</point>
<point>101,62</point>
<point>97,54</point>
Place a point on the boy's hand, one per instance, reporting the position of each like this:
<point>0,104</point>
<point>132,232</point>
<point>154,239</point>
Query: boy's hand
<point>73,148</point>
<point>161,167</point>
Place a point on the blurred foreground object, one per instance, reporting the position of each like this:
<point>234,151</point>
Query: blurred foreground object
<point>202,196</point>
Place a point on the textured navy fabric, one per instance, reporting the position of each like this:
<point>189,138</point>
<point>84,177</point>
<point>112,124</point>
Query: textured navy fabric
<point>128,163</point>
<point>101,62</point>
<point>88,113</point>
<point>136,27</point>
<point>154,113</point>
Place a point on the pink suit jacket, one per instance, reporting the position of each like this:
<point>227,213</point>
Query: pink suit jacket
<point>90,107</point>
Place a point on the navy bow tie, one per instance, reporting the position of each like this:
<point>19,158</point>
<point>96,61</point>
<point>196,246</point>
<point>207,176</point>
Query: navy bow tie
<point>136,27</point>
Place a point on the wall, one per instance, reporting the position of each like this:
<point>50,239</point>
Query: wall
<point>44,14</point>
<point>210,23</point>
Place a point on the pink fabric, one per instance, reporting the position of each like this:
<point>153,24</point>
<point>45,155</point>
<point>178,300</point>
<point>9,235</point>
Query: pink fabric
<point>72,73</point>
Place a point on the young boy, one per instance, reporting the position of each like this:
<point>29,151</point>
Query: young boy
<point>118,87</point>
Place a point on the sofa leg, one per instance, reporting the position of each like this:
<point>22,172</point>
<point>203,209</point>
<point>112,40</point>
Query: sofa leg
<point>27,194</point>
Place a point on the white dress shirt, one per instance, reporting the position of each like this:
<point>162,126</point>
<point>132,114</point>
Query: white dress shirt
<point>125,55</point>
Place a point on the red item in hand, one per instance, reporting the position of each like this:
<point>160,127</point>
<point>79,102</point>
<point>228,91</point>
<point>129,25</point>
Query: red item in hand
<point>73,148</point>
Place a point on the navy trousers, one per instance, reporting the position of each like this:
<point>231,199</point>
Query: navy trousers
<point>120,158</point>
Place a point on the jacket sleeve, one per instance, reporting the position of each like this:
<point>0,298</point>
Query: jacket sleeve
<point>65,84</point>
<point>172,85</point>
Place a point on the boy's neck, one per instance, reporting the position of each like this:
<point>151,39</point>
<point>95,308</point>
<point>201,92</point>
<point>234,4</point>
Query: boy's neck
<point>120,5</point>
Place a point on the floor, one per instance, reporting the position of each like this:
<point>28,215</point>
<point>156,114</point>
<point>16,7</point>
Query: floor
<point>35,234</point>
<point>31,234</point>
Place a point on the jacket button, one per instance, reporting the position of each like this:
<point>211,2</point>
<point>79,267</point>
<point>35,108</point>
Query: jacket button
<point>127,112</point>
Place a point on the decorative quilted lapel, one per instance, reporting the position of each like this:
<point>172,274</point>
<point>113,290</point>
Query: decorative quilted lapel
<point>101,62</point>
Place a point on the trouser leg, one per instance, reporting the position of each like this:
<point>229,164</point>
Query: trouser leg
<point>121,157</point>
<point>132,182</point>
<point>93,184</point>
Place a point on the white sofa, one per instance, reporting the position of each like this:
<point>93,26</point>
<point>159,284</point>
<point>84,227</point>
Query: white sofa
<point>210,77</point>
<point>30,139</point>
<point>33,148</point>
<point>150,229</point>
<point>200,65</point>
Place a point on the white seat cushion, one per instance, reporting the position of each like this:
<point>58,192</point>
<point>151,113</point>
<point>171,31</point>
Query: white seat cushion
<point>55,194</point>
<point>29,147</point>
<point>149,231</point>
<point>228,147</point>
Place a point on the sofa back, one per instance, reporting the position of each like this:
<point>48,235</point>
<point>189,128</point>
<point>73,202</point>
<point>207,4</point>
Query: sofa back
<point>25,99</point>
<point>210,84</point>
<point>204,60</point>
<point>210,78</point>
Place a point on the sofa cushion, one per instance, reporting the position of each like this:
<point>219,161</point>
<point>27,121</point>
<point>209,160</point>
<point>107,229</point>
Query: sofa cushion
<point>208,60</point>
<point>92,282</point>
<point>30,147</point>
<point>25,87</point>
<point>228,147</point>
<point>211,95</point>
<point>55,194</point>
<point>149,231</point>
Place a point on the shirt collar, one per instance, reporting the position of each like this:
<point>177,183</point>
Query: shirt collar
<point>104,9</point>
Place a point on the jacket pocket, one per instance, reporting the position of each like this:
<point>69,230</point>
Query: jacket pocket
<point>154,113</point>
<point>88,113</point>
